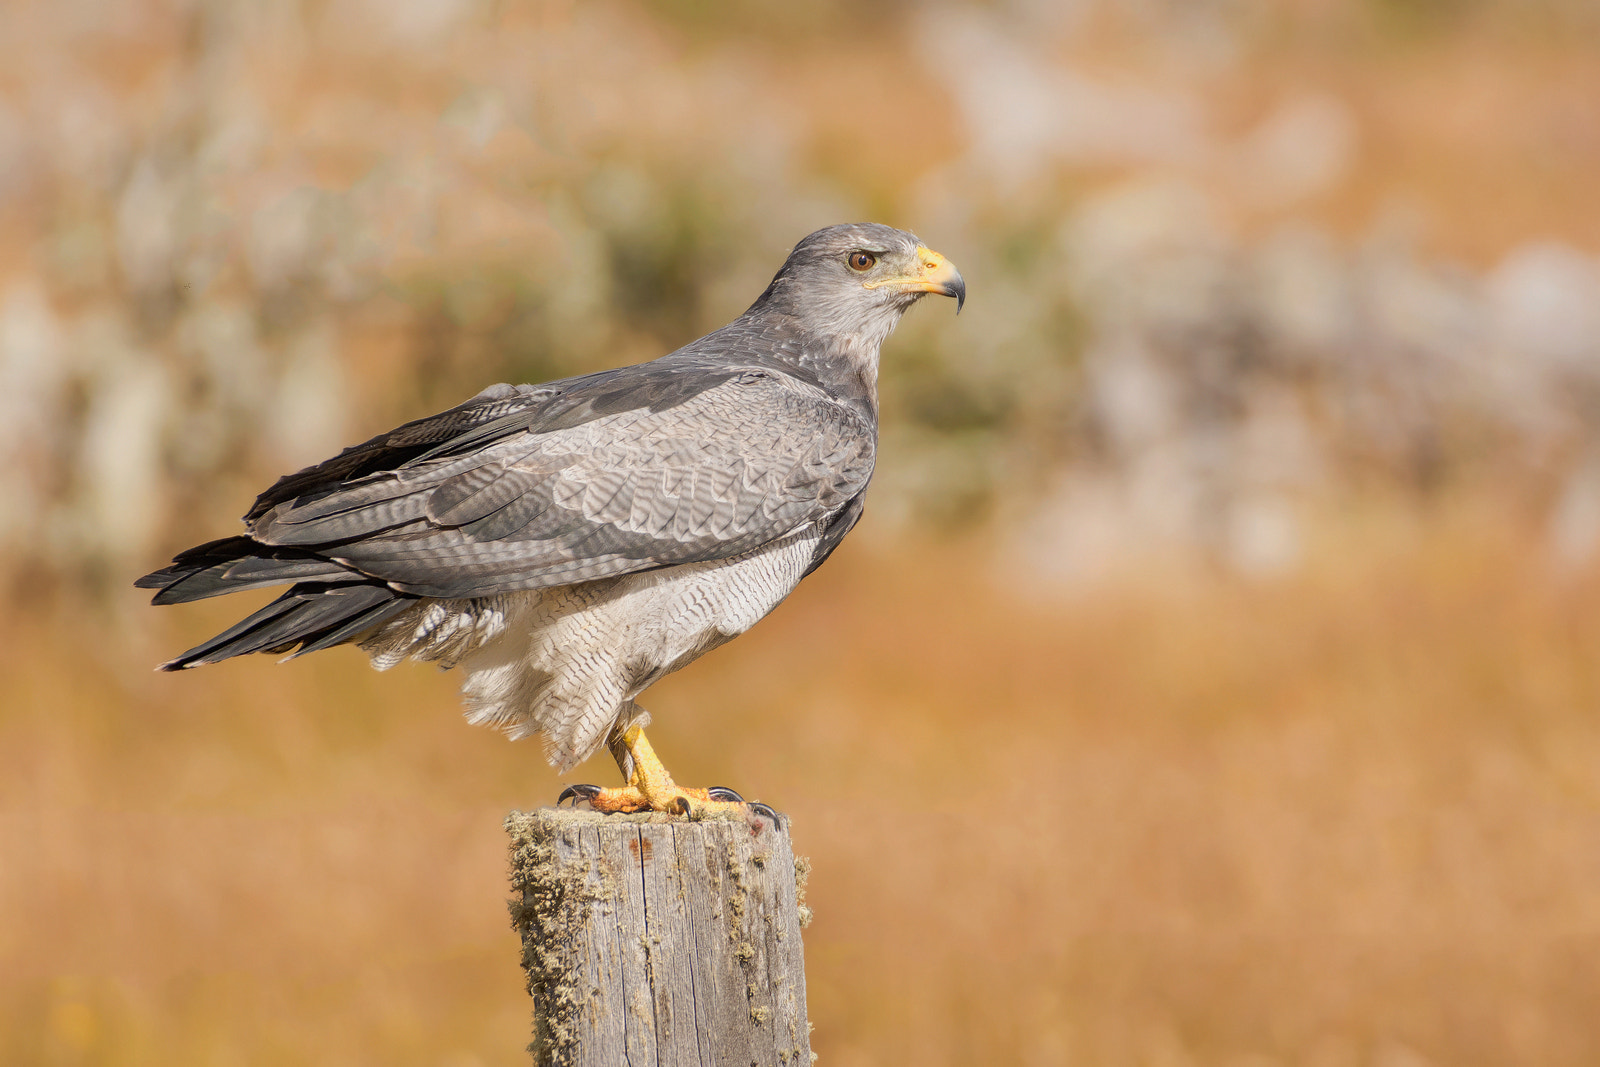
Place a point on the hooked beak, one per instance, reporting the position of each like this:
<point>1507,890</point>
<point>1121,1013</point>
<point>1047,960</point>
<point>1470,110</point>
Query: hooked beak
<point>934,274</point>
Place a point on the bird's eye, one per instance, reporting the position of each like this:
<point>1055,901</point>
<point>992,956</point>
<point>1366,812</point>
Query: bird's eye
<point>862,260</point>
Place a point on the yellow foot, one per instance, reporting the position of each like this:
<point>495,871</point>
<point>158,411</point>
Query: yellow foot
<point>675,801</point>
<point>651,788</point>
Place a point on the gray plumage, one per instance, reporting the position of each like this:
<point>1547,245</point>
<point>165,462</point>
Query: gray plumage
<point>569,543</point>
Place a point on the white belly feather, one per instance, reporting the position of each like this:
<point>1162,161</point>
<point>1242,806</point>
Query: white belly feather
<point>567,662</point>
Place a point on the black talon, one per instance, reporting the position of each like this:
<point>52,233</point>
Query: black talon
<point>576,793</point>
<point>682,806</point>
<point>730,796</point>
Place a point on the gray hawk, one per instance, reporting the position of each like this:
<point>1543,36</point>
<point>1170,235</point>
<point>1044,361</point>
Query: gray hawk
<point>565,545</point>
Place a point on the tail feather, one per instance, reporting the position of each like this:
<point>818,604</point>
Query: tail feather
<point>328,604</point>
<point>235,637</point>
<point>312,615</point>
<point>376,615</point>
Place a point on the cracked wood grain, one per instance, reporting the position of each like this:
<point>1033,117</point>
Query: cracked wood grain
<point>655,942</point>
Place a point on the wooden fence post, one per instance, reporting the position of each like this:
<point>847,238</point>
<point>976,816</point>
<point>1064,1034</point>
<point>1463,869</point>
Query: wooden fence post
<point>655,940</point>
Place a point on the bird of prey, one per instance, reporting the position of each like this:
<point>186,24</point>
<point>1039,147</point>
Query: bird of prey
<point>565,545</point>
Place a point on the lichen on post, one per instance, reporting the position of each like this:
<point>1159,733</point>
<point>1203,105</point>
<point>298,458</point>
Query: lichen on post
<point>653,939</point>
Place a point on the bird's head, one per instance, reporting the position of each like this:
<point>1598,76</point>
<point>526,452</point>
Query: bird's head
<point>850,284</point>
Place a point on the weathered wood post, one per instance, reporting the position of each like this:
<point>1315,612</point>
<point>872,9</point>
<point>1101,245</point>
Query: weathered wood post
<point>654,940</point>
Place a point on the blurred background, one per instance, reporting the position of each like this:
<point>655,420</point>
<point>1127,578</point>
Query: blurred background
<point>1213,679</point>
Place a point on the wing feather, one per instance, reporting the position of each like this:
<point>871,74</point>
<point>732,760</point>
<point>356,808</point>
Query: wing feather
<point>475,494</point>
<point>714,463</point>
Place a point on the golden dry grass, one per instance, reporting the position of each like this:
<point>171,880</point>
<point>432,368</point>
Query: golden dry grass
<point>1351,817</point>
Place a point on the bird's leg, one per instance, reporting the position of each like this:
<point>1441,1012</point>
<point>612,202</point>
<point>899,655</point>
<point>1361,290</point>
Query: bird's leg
<point>650,785</point>
<point>651,788</point>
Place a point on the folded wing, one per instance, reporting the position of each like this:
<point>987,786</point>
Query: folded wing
<point>530,488</point>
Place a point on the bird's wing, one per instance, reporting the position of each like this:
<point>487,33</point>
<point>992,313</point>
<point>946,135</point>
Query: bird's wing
<point>601,476</point>
<point>406,443</point>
